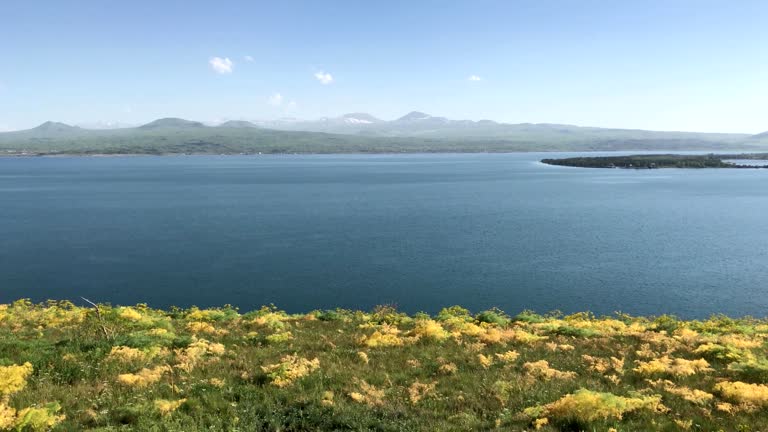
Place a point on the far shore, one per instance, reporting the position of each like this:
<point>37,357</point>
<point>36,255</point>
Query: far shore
<point>114,155</point>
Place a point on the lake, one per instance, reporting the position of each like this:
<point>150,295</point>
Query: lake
<point>354,231</point>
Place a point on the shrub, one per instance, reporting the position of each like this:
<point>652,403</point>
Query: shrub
<point>289,369</point>
<point>727,353</point>
<point>493,316</point>
<point>165,407</point>
<point>454,312</point>
<point>529,317</point>
<point>667,365</point>
<point>14,378</point>
<point>226,313</point>
<point>144,377</point>
<point>328,315</point>
<point>585,406</point>
<point>541,370</point>
<point>755,370</point>
<point>668,323</point>
<point>430,329</point>
<point>39,419</point>
<point>754,394</point>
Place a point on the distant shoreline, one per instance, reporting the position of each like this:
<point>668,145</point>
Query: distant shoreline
<point>112,155</point>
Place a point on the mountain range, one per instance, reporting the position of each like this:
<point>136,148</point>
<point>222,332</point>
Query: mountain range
<point>358,132</point>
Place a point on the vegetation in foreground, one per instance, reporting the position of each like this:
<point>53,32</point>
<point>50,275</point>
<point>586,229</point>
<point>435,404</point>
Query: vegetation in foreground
<point>662,161</point>
<point>65,367</point>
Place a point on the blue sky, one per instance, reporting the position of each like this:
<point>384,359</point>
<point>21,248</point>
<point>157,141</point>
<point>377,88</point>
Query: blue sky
<point>666,65</point>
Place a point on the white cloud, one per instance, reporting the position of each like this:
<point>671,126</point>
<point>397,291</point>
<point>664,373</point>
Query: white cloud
<point>276,99</point>
<point>474,78</point>
<point>324,77</point>
<point>221,65</point>
<point>249,58</point>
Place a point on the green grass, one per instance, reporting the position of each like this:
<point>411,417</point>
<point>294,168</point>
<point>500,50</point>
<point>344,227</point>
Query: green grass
<point>380,370</point>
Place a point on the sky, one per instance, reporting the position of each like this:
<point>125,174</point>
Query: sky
<point>692,65</point>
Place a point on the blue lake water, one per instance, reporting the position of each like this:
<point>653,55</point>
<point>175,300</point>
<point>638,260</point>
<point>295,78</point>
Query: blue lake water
<point>418,231</point>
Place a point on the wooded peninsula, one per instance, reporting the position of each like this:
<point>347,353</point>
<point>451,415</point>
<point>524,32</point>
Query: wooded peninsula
<point>652,161</point>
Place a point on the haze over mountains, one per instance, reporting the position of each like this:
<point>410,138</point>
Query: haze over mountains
<point>358,132</point>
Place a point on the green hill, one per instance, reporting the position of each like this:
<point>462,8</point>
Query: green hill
<point>172,123</point>
<point>237,124</point>
<point>416,132</point>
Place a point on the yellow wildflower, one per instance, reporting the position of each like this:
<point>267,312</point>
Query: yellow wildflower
<point>189,357</point>
<point>144,377</point>
<point>385,336</point>
<point>485,361</point>
<point>587,406</point>
<point>508,357</point>
<point>165,407</point>
<point>692,395</point>
<point>204,327</point>
<point>196,314</point>
<point>645,351</point>
<point>686,335</point>
<point>216,382</point>
<point>677,367</point>
<point>7,416</point>
<point>540,423</point>
<point>368,395</point>
<point>363,356</point>
<point>417,391</point>
<point>542,370</point>
<point>602,365</point>
<point>474,347</point>
<point>494,335</point>
<point>754,394</point>
<point>279,337</point>
<point>327,398</point>
<point>289,369</point>
<point>696,396</point>
<point>430,329</point>
<point>725,407</point>
<point>617,364</point>
<point>273,320</point>
<point>740,341</point>
<point>39,419</point>
<point>14,378</point>
<point>462,327</point>
<point>723,352</point>
<point>448,369</point>
<point>126,354</point>
<point>130,314</point>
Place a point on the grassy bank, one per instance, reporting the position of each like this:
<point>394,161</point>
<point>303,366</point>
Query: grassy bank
<point>116,368</point>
